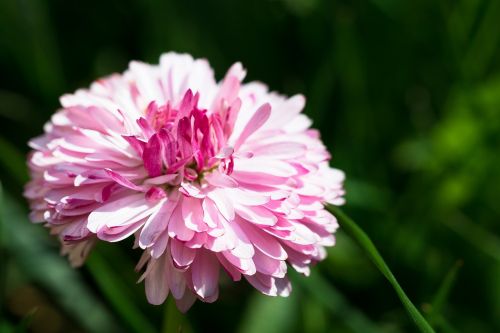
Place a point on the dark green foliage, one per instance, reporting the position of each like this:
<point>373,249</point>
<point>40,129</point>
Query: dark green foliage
<point>406,95</point>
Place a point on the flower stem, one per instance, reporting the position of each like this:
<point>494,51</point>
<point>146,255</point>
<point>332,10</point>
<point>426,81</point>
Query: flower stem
<point>173,318</point>
<point>367,245</point>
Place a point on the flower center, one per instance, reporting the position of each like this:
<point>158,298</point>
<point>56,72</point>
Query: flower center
<point>185,141</point>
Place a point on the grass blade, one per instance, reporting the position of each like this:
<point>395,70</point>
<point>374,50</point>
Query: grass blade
<point>28,246</point>
<point>113,288</point>
<point>435,309</point>
<point>331,299</point>
<point>445,288</point>
<point>367,245</point>
<point>485,241</point>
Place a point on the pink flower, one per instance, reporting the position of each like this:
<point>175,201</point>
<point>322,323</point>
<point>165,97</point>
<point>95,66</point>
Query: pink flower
<point>204,175</point>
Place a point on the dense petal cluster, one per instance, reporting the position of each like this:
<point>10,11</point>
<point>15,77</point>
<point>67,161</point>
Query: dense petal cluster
<point>204,175</point>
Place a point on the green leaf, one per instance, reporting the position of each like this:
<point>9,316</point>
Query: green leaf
<point>367,245</point>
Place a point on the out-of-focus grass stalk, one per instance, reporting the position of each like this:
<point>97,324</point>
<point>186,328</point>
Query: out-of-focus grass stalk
<point>326,294</point>
<point>27,247</point>
<point>479,237</point>
<point>113,288</point>
<point>482,47</point>
<point>444,290</point>
<point>444,326</point>
<point>367,245</point>
<point>435,309</point>
<point>4,260</point>
<point>173,320</point>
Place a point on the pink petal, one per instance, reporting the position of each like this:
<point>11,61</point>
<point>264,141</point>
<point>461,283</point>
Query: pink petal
<point>258,119</point>
<point>247,198</point>
<point>257,214</point>
<point>127,210</point>
<point>152,156</point>
<point>156,282</point>
<point>210,213</point>
<point>228,267</point>
<point>230,86</point>
<point>182,256</point>
<point>220,180</point>
<point>270,286</point>
<point>122,180</point>
<point>260,177</point>
<point>264,165</point>
<point>244,248</point>
<point>283,286</point>
<point>281,150</point>
<point>136,144</point>
<point>304,235</point>
<point>223,203</point>
<point>191,190</point>
<point>264,242</point>
<point>159,246</point>
<point>157,223</point>
<point>245,266</point>
<point>163,179</point>
<point>154,194</point>
<point>197,241</point>
<point>177,228</point>
<point>205,275</point>
<point>177,281</point>
<point>286,112</point>
<point>225,242</point>
<point>184,303</point>
<point>192,212</point>
<point>145,127</point>
<point>116,234</point>
<point>269,266</point>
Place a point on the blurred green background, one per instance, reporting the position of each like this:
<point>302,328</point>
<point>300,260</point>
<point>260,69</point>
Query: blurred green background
<point>406,95</point>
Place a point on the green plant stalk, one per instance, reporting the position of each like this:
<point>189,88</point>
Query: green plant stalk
<point>367,245</point>
<point>173,318</point>
<point>112,288</point>
<point>443,292</point>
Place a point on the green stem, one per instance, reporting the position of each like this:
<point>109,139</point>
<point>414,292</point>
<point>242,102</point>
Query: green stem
<point>173,319</point>
<point>367,245</point>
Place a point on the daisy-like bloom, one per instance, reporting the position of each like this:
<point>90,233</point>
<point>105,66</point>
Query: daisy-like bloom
<point>204,175</point>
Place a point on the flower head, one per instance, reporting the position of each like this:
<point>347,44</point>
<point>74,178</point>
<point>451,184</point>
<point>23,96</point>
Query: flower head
<point>204,175</point>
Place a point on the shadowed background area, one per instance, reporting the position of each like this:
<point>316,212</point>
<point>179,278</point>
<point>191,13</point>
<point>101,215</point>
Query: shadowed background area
<point>405,94</point>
